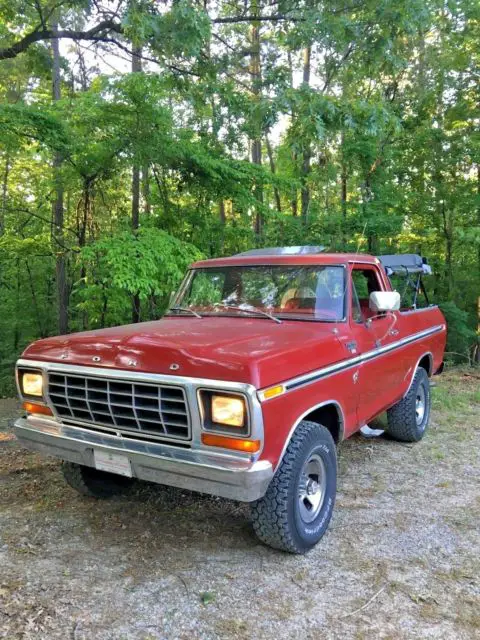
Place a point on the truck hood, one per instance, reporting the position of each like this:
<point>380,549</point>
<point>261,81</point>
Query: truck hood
<point>253,350</point>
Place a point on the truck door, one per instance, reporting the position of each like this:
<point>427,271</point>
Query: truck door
<point>380,373</point>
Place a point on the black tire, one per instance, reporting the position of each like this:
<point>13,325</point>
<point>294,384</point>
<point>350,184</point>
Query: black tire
<point>405,423</point>
<point>278,517</point>
<point>94,483</point>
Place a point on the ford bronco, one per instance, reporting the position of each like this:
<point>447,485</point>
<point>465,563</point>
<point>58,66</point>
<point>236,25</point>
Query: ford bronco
<point>264,363</point>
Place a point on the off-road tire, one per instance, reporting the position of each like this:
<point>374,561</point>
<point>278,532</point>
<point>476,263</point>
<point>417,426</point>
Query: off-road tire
<point>94,483</point>
<point>276,517</point>
<point>402,417</point>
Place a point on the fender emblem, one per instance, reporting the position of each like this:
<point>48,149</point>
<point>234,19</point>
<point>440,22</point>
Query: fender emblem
<point>96,358</point>
<point>174,366</point>
<point>132,363</point>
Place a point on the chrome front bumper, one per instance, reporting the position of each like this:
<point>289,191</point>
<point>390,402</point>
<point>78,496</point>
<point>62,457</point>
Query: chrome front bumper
<point>207,472</point>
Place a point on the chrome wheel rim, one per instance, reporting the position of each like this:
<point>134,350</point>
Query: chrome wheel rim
<point>420,405</point>
<point>311,492</point>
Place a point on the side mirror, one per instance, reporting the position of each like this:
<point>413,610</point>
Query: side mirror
<point>382,301</point>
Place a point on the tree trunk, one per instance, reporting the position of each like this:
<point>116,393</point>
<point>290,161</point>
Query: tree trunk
<point>216,123</point>
<point>368,231</point>
<point>344,187</point>
<point>57,207</point>
<point>344,192</point>
<point>478,213</point>
<point>294,199</point>
<point>305,170</point>
<point>82,69</point>
<point>477,347</point>
<point>3,208</point>
<point>35,305</point>
<point>146,189</point>
<point>344,178</point>
<point>271,161</point>
<point>256,82</point>
<point>135,198</point>
<point>82,226</point>
<point>16,329</point>
<point>136,68</point>
<point>447,219</point>
<point>223,219</point>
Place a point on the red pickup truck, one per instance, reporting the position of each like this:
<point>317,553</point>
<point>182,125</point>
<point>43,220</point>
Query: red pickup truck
<point>265,362</point>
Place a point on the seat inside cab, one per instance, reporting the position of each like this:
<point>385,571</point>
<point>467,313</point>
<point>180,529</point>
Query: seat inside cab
<point>322,303</point>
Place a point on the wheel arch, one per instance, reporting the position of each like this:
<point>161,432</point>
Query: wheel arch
<point>425,362</point>
<point>328,413</point>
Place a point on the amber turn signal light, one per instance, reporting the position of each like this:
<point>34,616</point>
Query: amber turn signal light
<point>238,444</point>
<point>31,407</point>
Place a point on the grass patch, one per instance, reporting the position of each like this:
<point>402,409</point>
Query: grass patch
<point>456,400</point>
<point>446,399</point>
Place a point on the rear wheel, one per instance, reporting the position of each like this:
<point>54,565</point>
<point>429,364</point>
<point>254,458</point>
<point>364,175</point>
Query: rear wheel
<point>297,507</point>
<point>94,483</point>
<point>408,419</point>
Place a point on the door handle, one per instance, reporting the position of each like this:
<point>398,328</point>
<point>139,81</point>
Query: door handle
<point>352,346</point>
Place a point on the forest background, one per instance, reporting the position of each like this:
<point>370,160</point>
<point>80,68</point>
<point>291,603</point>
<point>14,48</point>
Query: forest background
<point>137,136</point>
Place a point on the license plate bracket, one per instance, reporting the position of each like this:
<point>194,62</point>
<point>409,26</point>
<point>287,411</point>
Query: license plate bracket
<point>112,463</point>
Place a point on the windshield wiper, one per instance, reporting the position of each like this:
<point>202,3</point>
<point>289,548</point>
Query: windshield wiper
<point>250,309</point>
<point>187,310</point>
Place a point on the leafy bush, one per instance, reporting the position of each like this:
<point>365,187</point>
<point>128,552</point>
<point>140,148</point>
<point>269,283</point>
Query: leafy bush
<point>150,264</point>
<point>461,339</point>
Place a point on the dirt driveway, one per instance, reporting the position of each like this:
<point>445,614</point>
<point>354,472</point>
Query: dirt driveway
<point>401,559</point>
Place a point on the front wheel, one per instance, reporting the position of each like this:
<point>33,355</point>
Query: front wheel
<point>295,511</point>
<point>94,483</point>
<point>408,419</point>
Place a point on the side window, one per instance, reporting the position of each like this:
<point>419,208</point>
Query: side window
<point>360,284</point>
<point>356,309</point>
<point>364,282</point>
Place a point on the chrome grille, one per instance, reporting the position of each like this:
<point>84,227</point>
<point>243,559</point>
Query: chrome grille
<point>150,409</point>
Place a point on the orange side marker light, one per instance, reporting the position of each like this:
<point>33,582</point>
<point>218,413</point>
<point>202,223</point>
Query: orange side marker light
<point>238,444</point>
<point>31,407</point>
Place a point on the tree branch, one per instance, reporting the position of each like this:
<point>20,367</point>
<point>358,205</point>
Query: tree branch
<point>276,17</point>
<point>38,34</point>
<point>106,26</point>
<point>129,50</point>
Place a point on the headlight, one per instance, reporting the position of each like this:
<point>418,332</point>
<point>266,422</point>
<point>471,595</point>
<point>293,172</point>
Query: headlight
<point>225,413</point>
<point>32,384</point>
<point>228,410</point>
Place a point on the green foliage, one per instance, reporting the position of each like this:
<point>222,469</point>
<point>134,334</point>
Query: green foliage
<point>460,336</point>
<point>180,32</point>
<point>150,263</point>
<point>374,147</point>
<point>22,124</point>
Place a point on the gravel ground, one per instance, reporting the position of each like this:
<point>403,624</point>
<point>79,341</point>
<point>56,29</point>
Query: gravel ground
<point>401,558</point>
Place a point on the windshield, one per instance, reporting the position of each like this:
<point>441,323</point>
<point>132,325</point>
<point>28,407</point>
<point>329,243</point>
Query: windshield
<point>288,292</point>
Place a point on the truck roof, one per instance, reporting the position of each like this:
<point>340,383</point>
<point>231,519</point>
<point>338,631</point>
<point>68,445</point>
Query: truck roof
<point>287,258</point>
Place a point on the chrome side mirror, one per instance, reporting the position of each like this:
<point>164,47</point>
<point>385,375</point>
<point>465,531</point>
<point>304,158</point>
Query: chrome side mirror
<point>383,301</point>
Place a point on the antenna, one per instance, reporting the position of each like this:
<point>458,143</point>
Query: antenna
<point>362,237</point>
